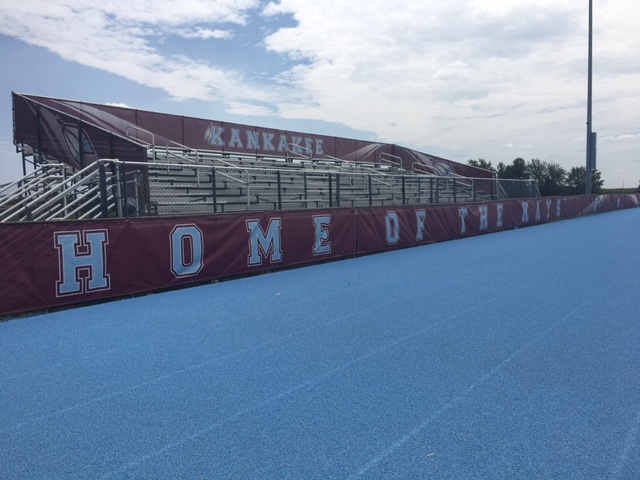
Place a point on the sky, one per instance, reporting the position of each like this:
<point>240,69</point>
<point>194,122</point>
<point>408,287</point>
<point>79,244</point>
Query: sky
<point>460,79</point>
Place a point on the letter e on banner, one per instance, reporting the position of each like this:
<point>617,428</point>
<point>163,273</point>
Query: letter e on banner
<point>82,262</point>
<point>321,243</point>
<point>187,250</point>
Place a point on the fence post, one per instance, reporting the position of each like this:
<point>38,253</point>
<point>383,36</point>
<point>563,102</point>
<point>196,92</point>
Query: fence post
<point>431,190</point>
<point>279,190</point>
<point>104,209</point>
<point>370,192</point>
<point>438,190</point>
<point>403,192</point>
<point>330,192</point>
<point>338,190</point>
<point>455,191</point>
<point>215,191</point>
<point>473,188</point>
<point>306,196</point>
<point>125,198</point>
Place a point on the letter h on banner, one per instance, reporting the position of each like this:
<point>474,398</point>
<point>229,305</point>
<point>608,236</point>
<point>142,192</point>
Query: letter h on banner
<point>82,262</point>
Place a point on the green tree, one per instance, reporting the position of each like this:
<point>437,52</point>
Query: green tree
<point>516,171</point>
<point>549,176</point>
<point>638,189</point>
<point>481,163</point>
<point>576,181</point>
<point>557,178</point>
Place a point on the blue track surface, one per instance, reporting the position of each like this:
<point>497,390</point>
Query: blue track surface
<point>511,355</point>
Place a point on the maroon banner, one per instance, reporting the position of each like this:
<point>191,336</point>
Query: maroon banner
<point>381,229</point>
<point>55,264</point>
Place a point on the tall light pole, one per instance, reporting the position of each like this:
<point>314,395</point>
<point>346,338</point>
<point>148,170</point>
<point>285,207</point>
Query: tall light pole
<point>589,100</point>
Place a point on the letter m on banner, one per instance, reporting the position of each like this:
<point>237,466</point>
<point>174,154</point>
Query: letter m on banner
<point>263,243</point>
<point>82,262</point>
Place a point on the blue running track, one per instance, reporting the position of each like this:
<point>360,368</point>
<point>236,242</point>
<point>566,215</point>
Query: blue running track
<point>511,355</point>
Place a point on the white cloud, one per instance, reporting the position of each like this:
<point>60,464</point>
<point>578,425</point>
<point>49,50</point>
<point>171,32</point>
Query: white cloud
<point>119,104</point>
<point>205,34</point>
<point>116,37</point>
<point>248,109</point>
<point>481,79</point>
<point>622,138</point>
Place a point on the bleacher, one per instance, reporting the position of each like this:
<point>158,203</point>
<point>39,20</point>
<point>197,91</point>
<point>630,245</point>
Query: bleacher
<point>210,182</point>
<point>182,183</point>
<point>95,161</point>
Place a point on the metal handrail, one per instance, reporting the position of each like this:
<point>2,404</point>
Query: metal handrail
<point>139,129</point>
<point>73,186</point>
<point>20,184</point>
<point>80,202</point>
<point>183,147</point>
<point>366,170</point>
<point>34,184</point>
<point>302,148</point>
<point>383,158</point>
<point>422,165</point>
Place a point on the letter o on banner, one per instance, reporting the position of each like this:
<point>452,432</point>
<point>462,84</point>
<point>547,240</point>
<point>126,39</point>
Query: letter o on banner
<point>393,228</point>
<point>186,251</point>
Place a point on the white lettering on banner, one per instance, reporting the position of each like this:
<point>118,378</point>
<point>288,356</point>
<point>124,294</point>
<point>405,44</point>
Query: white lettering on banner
<point>185,237</point>
<point>525,212</point>
<point>558,208</point>
<point>421,215</point>
<point>499,208</point>
<point>549,202</point>
<point>538,211</point>
<point>267,142</point>
<point>392,224</point>
<point>463,213</point>
<point>213,136</point>
<point>82,262</point>
<point>321,244</point>
<point>253,140</point>
<point>282,144</point>
<point>235,141</point>
<point>484,217</point>
<point>301,145</point>
<point>263,244</point>
<point>297,141</point>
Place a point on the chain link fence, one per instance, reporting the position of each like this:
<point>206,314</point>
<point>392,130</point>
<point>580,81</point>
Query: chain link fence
<point>110,188</point>
<point>177,189</point>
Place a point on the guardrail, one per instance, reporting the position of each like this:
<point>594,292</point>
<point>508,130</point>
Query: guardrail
<point>181,189</point>
<point>55,192</point>
<point>112,188</point>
